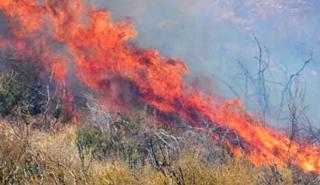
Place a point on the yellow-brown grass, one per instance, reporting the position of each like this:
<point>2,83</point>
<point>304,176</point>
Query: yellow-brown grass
<point>37,157</point>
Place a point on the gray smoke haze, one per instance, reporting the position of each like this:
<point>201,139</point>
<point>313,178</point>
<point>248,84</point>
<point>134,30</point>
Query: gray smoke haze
<point>212,36</point>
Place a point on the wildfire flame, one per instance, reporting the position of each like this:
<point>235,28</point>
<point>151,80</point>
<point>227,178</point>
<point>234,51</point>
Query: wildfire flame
<point>72,35</point>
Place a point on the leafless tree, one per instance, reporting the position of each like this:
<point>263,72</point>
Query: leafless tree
<point>257,82</point>
<point>297,109</point>
<point>286,92</point>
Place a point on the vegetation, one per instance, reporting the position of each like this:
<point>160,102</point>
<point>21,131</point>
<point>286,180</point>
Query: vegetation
<point>37,157</point>
<point>40,146</point>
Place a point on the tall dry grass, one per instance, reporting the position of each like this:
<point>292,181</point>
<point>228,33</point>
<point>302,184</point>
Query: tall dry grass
<point>35,157</point>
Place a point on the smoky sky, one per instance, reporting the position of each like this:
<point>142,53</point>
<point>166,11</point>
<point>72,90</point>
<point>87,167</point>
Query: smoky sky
<point>212,36</point>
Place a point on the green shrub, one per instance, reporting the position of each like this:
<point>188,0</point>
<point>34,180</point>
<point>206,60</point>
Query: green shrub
<point>26,88</point>
<point>101,146</point>
<point>20,87</point>
<point>11,93</point>
<point>91,141</point>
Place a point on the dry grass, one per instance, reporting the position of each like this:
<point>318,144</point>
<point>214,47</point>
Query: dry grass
<point>46,158</point>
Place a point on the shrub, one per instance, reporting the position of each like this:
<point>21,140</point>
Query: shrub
<point>25,87</point>
<point>102,146</point>
<point>91,141</point>
<point>12,94</point>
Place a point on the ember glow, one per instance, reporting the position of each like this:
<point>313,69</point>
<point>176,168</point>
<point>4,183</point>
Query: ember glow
<point>71,36</point>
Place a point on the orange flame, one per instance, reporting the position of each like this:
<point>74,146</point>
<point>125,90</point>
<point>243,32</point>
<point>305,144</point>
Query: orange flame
<point>71,32</point>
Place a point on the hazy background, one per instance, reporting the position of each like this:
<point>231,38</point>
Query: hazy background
<point>211,35</point>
